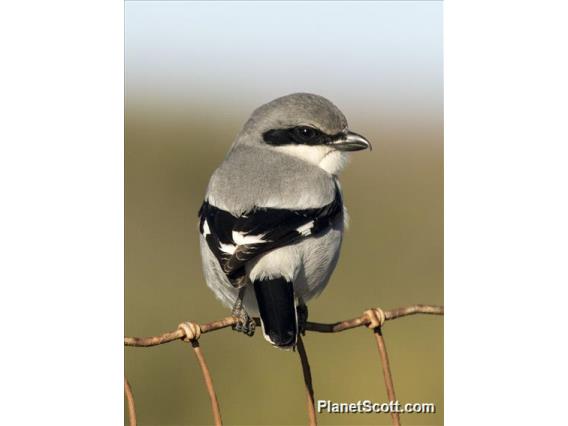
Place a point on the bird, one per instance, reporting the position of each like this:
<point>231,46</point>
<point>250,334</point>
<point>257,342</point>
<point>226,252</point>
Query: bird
<point>272,220</point>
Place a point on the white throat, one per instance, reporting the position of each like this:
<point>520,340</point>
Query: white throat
<point>329,159</point>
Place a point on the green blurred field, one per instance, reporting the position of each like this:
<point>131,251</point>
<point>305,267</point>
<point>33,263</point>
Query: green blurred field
<point>392,256</point>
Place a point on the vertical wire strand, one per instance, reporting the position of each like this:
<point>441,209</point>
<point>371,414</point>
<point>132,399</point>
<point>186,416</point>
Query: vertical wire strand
<point>208,383</point>
<point>312,419</point>
<point>130,400</point>
<point>386,372</point>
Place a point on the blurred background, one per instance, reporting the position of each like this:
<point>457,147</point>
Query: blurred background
<point>194,73</point>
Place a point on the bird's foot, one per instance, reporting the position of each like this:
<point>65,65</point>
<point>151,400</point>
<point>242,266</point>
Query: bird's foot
<point>245,324</point>
<point>302,310</point>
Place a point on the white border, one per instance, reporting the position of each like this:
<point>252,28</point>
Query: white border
<point>506,212</point>
<point>61,235</point>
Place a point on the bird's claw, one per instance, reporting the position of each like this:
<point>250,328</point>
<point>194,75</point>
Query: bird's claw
<point>302,310</point>
<point>245,324</point>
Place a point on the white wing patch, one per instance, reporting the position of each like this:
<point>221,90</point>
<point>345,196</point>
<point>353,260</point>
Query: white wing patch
<point>241,239</point>
<point>206,230</point>
<point>238,237</point>
<point>227,248</point>
<point>306,229</point>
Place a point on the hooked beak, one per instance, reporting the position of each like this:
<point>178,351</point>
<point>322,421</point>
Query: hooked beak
<point>350,141</point>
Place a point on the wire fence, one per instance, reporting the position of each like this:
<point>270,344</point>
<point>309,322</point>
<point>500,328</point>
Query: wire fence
<point>373,319</point>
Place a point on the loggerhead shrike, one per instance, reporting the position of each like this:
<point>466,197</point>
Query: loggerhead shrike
<point>272,221</point>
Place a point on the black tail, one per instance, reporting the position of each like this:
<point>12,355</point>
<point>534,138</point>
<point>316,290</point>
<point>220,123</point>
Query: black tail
<point>277,308</point>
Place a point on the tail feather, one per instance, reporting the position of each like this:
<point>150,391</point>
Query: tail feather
<point>277,307</point>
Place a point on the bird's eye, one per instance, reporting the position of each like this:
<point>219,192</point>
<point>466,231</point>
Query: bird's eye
<point>305,132</point>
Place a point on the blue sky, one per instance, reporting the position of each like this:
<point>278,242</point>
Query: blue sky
<point>354,50</point>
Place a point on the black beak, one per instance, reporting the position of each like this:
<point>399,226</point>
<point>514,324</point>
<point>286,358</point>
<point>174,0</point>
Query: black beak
<point>350,141</point>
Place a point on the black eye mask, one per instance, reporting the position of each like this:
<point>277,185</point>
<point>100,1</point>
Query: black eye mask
<point>300,135</point>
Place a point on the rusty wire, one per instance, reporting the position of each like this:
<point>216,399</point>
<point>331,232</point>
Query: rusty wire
<point>130,400</point>
<point>208,383</point>
<point>386,372</point>
<point>372,318</point>
<point>307,372</point>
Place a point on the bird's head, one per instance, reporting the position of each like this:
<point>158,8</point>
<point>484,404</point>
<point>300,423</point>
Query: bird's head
<point>306,126</point>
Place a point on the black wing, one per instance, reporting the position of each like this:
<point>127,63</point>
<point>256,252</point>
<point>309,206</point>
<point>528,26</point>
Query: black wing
<point>236,240</point>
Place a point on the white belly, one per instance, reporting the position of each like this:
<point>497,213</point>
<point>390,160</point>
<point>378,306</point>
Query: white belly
<point>308,264</point>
